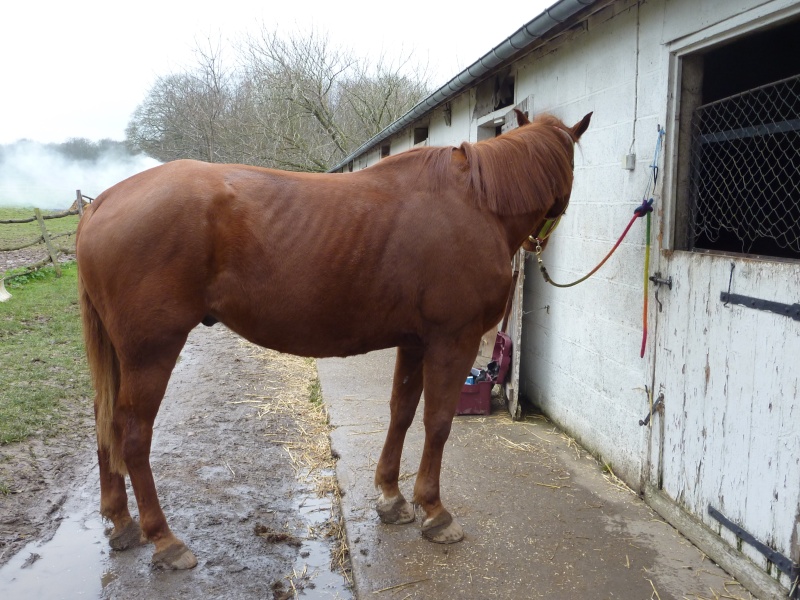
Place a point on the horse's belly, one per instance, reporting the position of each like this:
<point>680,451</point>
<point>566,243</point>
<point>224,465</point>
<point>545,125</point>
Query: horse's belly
<point>320,332</point>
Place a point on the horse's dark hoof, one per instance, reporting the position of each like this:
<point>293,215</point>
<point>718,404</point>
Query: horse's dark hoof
<point>442,529</point>
<point>395,511</point>
<point>175,557</point>
<point>129,537</point>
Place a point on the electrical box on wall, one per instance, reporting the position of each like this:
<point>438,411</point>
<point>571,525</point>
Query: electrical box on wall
<point>629,162</point>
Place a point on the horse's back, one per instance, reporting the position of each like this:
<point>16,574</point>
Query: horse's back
<point>313,264</point>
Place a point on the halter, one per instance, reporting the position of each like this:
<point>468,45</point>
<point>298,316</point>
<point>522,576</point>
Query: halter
<point>547,229</point>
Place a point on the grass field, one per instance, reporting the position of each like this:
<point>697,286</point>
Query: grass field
<point>19,233</point>
<point>43,371</point>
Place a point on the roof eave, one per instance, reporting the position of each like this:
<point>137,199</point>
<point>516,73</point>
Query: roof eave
<point>513,48</point>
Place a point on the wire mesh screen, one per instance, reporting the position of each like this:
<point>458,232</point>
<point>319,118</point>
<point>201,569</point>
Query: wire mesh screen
<point>745,172</point>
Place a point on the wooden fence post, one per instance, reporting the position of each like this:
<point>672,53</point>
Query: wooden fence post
<point>80,202</point>
<point>48,243</point>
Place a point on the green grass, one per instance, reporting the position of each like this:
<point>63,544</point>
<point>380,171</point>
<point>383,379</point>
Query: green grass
<point>19,233</point>
<point>314,387</point>
<point>43,370</point>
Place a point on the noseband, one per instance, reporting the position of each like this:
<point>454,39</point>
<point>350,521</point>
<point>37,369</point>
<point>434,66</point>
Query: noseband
<point>547,229</point>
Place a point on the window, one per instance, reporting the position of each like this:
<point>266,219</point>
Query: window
<point>420,135</point>
<point>494,93</point>
<point>739,146</point>
<point>386,150</point>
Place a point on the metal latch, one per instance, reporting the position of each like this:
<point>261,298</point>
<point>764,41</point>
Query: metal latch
<point>656,407</point>
<point>659,281</point>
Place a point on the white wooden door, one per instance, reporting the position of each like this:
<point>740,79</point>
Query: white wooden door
<point>514,331</point>
<point>729,435</point>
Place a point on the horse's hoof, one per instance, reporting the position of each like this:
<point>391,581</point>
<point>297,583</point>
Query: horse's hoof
<point>176,557</point>
<point>129,537</point>
<point>395,511</point>
<point>442,529</point>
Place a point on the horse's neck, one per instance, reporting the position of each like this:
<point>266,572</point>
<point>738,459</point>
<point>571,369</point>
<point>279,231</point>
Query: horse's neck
<point>518,228</point>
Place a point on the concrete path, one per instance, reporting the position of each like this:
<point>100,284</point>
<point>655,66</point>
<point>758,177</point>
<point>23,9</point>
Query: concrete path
<point>541,518</point>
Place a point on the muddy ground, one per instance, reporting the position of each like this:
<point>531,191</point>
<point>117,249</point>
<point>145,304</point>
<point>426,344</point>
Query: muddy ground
<point>243,466</point>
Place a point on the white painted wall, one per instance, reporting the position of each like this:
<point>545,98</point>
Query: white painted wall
<point>581,360</point>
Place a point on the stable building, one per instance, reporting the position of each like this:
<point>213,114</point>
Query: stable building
<point>697,107</point>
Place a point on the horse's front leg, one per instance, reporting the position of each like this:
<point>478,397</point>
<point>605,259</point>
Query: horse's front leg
<point>392,507</point>
<point>446,367</point>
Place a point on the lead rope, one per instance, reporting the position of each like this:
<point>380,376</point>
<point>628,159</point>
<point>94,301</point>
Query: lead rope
<point>640,211</point>
<point>644,209</point>
<point>647,193</point>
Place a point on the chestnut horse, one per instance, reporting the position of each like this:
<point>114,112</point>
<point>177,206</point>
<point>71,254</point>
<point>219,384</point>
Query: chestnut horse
<point>414,252</point>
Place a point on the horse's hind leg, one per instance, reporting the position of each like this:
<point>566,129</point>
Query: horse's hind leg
<point>446,367</point>
<point>114,506</point>
<point>142,387</point>
<point>392,507</point>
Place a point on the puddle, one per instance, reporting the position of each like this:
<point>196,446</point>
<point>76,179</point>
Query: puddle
<point>313,563</point>
<point>74,563</point>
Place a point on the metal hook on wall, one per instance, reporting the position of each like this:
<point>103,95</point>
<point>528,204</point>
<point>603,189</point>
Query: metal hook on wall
<point>730,282</point>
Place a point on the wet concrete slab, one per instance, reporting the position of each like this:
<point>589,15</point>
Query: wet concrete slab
<point>541,518</point>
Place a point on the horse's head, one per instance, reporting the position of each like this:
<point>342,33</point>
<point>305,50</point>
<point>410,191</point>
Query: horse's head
<point>571,135</point>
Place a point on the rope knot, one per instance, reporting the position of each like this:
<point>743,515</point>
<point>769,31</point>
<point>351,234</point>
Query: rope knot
<point>644,208</point>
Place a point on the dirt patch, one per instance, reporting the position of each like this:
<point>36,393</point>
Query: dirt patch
<point>28,256</point>
<point>243,466</point>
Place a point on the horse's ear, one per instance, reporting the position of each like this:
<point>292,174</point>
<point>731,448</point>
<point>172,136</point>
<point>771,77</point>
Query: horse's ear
<point>580,128</point>
<point>521,118</point>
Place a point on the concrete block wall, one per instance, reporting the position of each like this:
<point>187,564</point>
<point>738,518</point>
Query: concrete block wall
<point>580,355</point>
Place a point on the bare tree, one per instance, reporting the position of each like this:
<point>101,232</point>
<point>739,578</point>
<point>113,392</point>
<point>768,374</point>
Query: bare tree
<point>381,93</point>
<point>185,115</point>
<point>296,102</point>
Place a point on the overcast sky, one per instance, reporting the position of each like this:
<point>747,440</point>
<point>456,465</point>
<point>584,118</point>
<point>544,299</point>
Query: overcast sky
<point>79,68</point>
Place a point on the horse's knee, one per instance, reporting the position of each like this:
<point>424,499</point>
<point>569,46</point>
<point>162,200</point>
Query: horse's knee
<point>437,430</point>
<point>402,417</point>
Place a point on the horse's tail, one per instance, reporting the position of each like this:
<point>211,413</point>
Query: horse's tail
<point>104,366</point>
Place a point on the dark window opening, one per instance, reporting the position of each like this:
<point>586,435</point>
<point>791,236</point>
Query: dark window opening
<point>504,92</point>
<point>739,146</point>
<point>494,93</point>
<point>420,135</point>
<point>385,150</point>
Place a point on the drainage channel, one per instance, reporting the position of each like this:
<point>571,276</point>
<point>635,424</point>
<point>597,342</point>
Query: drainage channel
<point>313,568</point>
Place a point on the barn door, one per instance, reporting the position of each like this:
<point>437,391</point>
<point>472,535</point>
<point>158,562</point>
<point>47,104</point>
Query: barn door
<point>514,331</point>
<point>727,347</point>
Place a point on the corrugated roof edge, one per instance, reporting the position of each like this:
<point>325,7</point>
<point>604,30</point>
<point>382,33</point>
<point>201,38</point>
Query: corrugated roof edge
<point>520,41</point>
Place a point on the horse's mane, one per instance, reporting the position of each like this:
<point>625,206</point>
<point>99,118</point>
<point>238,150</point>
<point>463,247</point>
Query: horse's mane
<point>516,173</point>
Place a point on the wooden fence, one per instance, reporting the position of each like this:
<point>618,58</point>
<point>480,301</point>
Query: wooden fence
<point>53,250</point>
